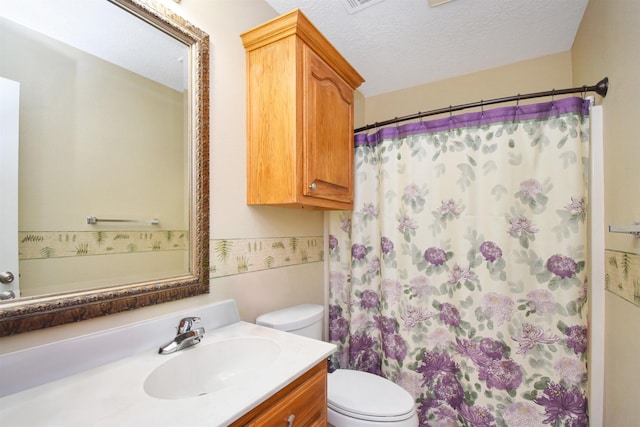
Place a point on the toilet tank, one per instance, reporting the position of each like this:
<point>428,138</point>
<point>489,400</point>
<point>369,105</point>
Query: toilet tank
<point>304,319</point>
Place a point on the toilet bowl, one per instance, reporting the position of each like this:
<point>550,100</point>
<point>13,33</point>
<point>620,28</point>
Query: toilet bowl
<point>361,399</point>
<point>355,398</point>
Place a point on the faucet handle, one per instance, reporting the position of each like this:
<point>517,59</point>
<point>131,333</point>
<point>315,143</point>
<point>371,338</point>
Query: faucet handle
<point>186,324</point>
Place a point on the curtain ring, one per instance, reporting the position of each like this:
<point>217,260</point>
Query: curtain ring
<point>366,135</point>
<point>553,95</point>
<point>518,103</point>
<point>482,108</point>
<point>376,129</point>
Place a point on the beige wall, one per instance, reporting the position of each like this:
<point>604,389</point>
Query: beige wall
<point>607,45</point>
<point>529,76</point>
<point>263,291</point>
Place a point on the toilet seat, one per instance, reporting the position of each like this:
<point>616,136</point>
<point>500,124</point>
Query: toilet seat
<point>369,397</point>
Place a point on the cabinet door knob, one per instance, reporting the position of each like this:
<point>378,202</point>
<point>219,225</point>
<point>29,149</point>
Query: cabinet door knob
<point>312,187</point>
<point>290,420</point>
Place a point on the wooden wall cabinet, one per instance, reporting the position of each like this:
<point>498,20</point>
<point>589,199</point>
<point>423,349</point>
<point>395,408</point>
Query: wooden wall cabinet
<point>301,403</point>
<point>300,93</point>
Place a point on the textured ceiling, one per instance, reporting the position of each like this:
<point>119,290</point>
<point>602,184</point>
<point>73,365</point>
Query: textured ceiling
<point>395,44</point>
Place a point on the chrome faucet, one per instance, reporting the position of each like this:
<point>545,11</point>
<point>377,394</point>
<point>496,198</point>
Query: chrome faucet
<point>186,336</point>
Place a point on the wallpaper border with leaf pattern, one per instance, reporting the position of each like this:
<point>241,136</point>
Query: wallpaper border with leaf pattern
<point>63,244</point>
<point>237,256</point>
<point>622,275</point>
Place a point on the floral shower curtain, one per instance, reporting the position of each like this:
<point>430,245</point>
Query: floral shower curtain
<point>460,274</point>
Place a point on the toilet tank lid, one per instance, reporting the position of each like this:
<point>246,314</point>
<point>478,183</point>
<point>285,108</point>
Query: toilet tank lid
<point>292,318</point>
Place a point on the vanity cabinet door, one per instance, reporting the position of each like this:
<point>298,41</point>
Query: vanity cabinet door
<point>327,132</point>
<point>302,403</point>
<point>304,406</point>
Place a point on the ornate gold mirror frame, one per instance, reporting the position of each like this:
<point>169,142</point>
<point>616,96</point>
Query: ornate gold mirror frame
<point>27,314</point>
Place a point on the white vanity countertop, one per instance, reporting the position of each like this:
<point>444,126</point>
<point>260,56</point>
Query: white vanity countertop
<point>113,394</point>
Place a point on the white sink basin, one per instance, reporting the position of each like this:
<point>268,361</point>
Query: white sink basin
<point>238,366</point>
<point>204,369</point>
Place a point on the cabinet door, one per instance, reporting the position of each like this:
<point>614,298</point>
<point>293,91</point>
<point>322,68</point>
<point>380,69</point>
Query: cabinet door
<point>305,406</point>
<point>327,132</point>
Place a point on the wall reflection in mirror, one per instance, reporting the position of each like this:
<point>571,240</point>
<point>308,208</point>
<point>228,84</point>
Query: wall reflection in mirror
<point>105,130</point>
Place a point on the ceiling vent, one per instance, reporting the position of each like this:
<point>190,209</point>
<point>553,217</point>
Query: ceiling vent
<point>434,3</point>
<point>354,6</point>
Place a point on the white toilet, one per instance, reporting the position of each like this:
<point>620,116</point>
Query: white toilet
<point>355,399</point>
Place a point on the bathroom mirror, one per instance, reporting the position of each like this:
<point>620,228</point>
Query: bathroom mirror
<point>113,155</point>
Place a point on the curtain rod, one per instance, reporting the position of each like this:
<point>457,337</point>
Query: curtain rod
<point>600,88</point>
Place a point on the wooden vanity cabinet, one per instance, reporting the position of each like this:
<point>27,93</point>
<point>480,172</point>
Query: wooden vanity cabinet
<point>301,403</point>
<point>300,94</point>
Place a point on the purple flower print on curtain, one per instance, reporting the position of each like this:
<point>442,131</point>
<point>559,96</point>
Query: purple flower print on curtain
<point>338,325</point>
<point>393,344</point>
<point>449,314</point>
<point>386,245</point>
<point>369,299</point>
<point>364,355</point>
<point>490,251</point>
<point>435,256</point>
<point>562,405</point>
<point>460,274</point>
<point>358,252</point>
<point>577,338</point>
